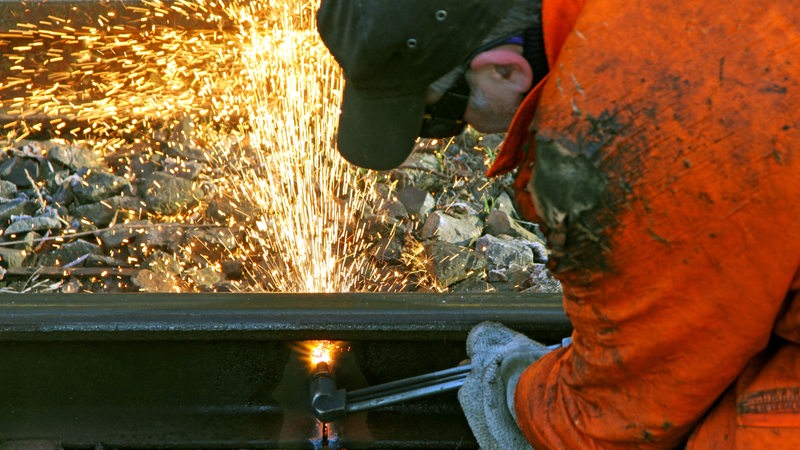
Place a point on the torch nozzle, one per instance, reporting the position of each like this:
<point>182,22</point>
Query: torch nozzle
<point>327,401</point>
<point>330,403</point>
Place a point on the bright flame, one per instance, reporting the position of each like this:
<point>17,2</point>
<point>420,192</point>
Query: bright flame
<point>322,351</point>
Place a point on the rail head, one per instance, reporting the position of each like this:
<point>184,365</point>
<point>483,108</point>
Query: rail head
<point>274,316</point>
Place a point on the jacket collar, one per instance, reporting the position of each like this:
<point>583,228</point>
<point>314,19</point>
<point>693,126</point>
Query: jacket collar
<point>558,20</point>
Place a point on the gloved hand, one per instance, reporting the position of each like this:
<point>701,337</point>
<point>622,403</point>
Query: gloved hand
<point>499,355</point>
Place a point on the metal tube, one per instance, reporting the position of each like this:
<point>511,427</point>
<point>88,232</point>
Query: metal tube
<point>406,388</point>
<point>410,383</point>
<point>405,395</point>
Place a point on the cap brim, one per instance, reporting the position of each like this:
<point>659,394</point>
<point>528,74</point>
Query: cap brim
<point>379,132</point>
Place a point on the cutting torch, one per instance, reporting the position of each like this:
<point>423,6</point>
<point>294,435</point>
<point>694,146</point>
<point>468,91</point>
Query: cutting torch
<point>331,403</point>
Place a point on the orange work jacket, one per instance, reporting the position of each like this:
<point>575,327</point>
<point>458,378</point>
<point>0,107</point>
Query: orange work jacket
<point>662,157</point>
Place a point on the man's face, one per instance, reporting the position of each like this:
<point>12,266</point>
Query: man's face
<point>498,82</point>
<point>491,105</point>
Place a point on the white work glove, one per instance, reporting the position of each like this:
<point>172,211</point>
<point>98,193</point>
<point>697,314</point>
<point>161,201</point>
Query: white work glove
<point>499,355</point>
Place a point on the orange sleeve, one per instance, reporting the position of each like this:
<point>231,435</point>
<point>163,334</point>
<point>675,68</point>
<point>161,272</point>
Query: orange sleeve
<point>668,178</point>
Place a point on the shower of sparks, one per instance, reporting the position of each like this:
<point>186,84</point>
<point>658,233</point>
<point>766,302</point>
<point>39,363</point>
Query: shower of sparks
<point>308,192</point>
<point>251,85</point>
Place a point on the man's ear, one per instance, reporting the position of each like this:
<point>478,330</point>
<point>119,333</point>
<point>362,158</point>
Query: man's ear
<point>509,66</point>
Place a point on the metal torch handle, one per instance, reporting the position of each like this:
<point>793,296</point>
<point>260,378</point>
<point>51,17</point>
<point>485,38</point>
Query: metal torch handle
<point>407,389</point>
<point>415,387</point>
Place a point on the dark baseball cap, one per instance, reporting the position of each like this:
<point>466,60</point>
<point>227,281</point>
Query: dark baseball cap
<point>390,52</point>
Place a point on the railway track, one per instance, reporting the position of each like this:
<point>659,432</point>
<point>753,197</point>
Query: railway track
<point>226,370</point>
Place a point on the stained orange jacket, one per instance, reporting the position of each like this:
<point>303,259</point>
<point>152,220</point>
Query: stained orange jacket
<point>663,160</point>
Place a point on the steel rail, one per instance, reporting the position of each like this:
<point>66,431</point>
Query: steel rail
<point>227,370</point>
<point>288,316</point>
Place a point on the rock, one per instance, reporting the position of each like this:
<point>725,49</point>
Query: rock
<point>19,206</point>
<point>164,237</point>
<point>123,234</point>
<point>451,263</point>
<point>542,281</point>
<point>500,253</point>
<point>83,226</point>
<point>395,209</point>
<point>69,252</point>
<point>12,258</point>
<point>205,277</point>
<point>454,230</point>
<point>7,189</point>
<point>162,262</point>
<point>184,169</point>
<point>378,224</point>
<point>497,275</point>
<point>182,142</point>
<point>423,170</point>
<point>504,203</point>
<point>98,186</point>
<point>72,286</point>
<point>514,278</point>
<point>540,252</point>
<point>519,277</point>
<point>498,222</point>
<point>75,157</point>
<point>104,261</point>
<point>213,240</point>
<point>418,203</point>
<point>459,166</point>
<point>163,164</point>
<point>148,281</point>
<point>143,164</point>
<point>99,214</point>
<point>388,249</point>
<point>51,172</point>
<point>232,269</point>
<point>112,284</point>
<point>167,194</point>
<point>501,223</point>
<point>29,241</point>
<point>134,205</point>
<point>225,286</point>
<point>20,171</point>
<point>227,212</point>
<point>63,195</point>
<point>60,211</point>
<point>461,209</point>
<point>472,284</point>
<point>27,224</point>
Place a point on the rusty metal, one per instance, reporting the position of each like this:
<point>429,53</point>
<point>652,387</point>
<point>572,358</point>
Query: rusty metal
<point>224,370</point>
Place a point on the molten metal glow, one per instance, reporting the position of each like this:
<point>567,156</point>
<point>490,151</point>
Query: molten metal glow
<point>254,90</point>
<point>322,351</point>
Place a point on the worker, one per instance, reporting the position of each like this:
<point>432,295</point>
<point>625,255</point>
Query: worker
<point>658,144</point>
